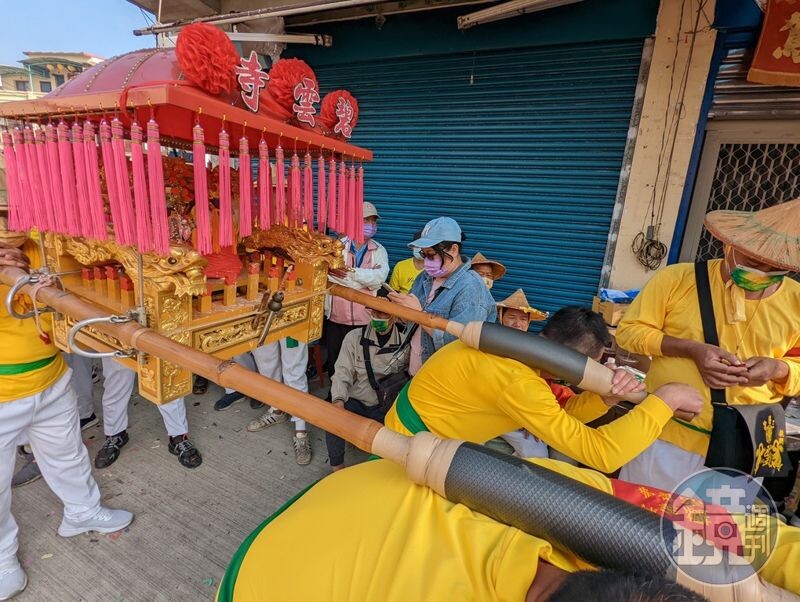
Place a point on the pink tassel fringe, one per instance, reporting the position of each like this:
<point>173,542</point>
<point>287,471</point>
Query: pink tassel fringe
<point>333,222</point>
<point>360,201</point>
<point>308,192</point>
<point>158,196</point>
<point>45,182</point>
<point>356,226</point>
<point>144,238</point>
<point>322,216</point>
<point>35,183</point>
<point>296,187</point>
<point>97,209</point>
<point>225,203</point>
<point>245,190</point>
<point>16,218</point>
<point>68,187</point>
<point>342,208</point>
<point>202,214</point>
<point>280,187</point>
<point>111,180</point>
<point>127,227</point>
<point>51,154</point>
<point>82,184</point>
<point>264,186</point>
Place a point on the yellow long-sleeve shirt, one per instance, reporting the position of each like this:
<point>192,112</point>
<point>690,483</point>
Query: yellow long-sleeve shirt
<point>668,305</point>
<point>20,344</point>
<point>403,276</point>
<point>463,393</point>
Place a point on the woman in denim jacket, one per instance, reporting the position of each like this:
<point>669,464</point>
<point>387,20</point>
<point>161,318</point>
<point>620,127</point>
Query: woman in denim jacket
<point>446,287</point>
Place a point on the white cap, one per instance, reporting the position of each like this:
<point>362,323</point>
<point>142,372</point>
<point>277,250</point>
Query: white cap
<point>370,210</point>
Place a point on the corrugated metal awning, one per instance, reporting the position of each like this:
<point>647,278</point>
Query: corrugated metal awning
<point>737,98</point>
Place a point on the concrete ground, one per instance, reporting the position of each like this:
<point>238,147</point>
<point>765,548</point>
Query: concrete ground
<point>188,522</point>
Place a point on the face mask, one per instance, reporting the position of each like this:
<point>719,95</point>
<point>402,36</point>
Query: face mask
<point>370,230</point>
<point>433,267</point>
<point>487,281</point>
<point>416,253</point>
<point>753,280</point>
<point>379,325</point>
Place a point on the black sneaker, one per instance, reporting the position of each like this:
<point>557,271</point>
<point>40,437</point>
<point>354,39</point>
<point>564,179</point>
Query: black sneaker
<point>187,453</point>
<point>109,453</point>
<point>227,400</point>
<point>88,422</point>
<point>255,404</point>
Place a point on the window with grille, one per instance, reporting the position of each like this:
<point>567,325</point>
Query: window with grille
<point>749,177</point>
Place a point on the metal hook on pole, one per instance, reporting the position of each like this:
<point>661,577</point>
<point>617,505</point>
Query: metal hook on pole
<point>14,290</point>
<point>78,326</point>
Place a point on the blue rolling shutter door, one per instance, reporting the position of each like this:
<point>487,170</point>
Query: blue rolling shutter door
<point>522,147</point>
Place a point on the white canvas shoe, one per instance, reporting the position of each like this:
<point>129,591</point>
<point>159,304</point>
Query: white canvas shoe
<point>105,521</point>
<point>12,581</point>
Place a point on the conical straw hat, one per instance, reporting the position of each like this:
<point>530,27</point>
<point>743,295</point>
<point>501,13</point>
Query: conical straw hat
<point>771,235</point>
<point>498,269</point>
<point>517,300</point>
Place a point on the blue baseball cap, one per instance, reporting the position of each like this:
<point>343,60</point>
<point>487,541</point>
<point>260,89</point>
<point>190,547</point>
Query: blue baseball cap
<point>436,231</point>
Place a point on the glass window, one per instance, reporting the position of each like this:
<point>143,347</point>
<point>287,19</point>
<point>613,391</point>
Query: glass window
<point>22,85</point>
<point>45,86</point>
<point>59,79</point>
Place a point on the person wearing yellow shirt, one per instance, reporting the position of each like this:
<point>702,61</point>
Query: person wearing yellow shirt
<point>464,393</point>
<point>37,403</point>
<point>757,312</point>
<point>407,270</point>
<point>369,533</point>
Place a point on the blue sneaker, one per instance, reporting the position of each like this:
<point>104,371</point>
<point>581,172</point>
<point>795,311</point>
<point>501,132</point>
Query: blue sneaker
<point>227,400</point>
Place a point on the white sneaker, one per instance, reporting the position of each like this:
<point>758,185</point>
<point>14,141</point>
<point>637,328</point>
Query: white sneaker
<point>105,521</point>
<point>266,419</point>
<point>12,581</point>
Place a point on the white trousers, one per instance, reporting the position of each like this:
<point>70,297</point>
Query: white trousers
<point>526,446</point>
<point>286,365</point>
<point>82,382</point>
<point>662,465</point>
<point>245,360</point>
<point>49,421</point>
<point>117,390</point>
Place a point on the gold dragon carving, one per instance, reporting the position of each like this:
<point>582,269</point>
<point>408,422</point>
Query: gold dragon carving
<point>300,245</point>
<point>181,271</point>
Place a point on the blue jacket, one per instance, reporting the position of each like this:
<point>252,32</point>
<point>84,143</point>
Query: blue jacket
<point>464,298</point>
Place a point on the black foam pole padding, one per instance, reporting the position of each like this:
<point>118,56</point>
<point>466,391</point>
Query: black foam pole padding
<point>533,350</point>
<point>590,523</point>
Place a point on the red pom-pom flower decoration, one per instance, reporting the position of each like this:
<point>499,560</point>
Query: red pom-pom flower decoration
<point>339,113</point>
<point>207,58</point>
<point>278,97</point>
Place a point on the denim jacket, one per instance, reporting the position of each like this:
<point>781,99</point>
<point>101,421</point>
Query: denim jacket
<point>464,298</point>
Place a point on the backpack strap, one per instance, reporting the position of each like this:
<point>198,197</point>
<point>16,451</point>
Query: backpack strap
<point>365,344</point>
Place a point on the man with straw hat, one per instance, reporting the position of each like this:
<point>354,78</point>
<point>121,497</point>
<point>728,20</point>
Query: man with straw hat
<point>515,311</point>
<point>756,311</point>
<point>488,269</point>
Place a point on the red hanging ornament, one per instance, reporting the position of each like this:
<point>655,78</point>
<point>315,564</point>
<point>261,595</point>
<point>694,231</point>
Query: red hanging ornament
<point>245,189</point>
<point>97,209</point>
<point>144,238</point>
<point>264,186</point>
<point>225,203</point>
<point>207,58</point>
<point>202,214</point>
